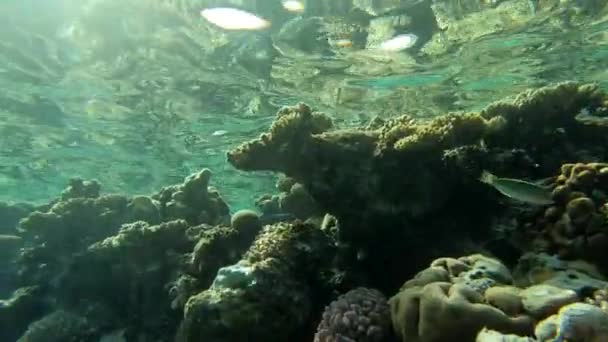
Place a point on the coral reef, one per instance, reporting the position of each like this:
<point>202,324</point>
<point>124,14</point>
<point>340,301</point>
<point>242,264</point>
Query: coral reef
<point>575,226</point>
<point>67,227</point>
<point>440,304</point>
<point>574,322</point>
<point>112,259</point>
<point>446,303</point>
<point>397,193</point>
<point>275,278</point>
<point>385,183</point>
<point>360,315</point>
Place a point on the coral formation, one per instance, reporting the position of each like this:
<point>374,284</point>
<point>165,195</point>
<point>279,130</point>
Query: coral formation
<point>177,264</point>
<point>79,188</point>
<point>293,201</point>
<point>575,226</point>
<point>386,183</point>
<point>193,201</point>
<point>126,256</point>
<point>58,326</point>
<point>274,279</point>
<point>576,275</point>
<point>360,315</point>
<point>574,322</point>
<point>440,303</point>
<point>25,305</point>
<point>219,245</point>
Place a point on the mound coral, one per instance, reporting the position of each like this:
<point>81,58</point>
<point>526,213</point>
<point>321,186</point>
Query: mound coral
<point>576,226</point>
<point>443,303</point>
<point>360,315</point>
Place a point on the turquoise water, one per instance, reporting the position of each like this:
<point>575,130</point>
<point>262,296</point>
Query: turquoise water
<point>144,94</point>
<point>131,93</point>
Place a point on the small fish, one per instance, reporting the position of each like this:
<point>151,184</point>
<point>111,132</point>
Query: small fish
<point>234,19</point>
<point>399,42</point>
<point>342,43</point>
<point>587,118</point>
<point>293,6</point>
<point>518,189</point>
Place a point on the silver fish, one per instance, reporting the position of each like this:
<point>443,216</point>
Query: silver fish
<point>518,189</point>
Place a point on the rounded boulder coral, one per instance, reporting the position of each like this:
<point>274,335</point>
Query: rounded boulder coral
<point>360,315</point>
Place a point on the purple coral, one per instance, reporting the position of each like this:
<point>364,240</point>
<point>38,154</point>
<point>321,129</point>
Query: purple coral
<point>360,315</point>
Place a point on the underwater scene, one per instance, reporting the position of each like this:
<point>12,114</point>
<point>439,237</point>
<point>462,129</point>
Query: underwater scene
<point>303,170</point>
